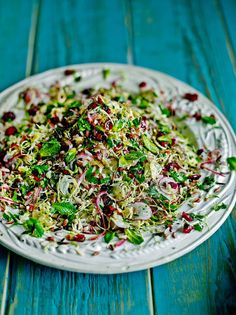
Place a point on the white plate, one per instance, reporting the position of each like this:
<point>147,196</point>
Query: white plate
<point>153,251</point>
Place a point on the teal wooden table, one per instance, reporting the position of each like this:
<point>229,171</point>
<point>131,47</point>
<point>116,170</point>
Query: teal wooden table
<point>194,41</point>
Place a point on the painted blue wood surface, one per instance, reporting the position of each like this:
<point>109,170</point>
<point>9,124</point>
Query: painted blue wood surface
<point>192,40</point>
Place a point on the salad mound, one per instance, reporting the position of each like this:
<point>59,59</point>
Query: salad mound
<point>102,162</point>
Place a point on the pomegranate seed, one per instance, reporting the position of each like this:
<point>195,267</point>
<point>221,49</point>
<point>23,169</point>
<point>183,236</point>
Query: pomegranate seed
<point>8,116</point>
<point>100,101</point>
<point>142,84</point>
<point>50,239</point>
<point>54,120</point>
<point>79,238</point>
<point>197,116</point>
<point>69,71</point>
<point>191,97</point>
<point>33,110</point>
<point>188,229</point>
<point>27,96</point>
<point>11,131</point>
<point>186,217</point>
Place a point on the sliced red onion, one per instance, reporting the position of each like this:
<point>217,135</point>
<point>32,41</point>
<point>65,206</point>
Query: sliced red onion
<point>164,181</point>
<point>141,210</point>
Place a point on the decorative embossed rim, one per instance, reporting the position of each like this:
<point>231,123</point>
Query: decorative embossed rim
<point>145,258</point>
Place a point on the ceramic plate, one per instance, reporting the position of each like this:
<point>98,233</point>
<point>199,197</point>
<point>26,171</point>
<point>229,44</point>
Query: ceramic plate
<point>155,250</point>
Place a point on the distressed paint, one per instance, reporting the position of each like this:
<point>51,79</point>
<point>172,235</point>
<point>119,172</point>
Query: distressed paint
<point>192,40</point>
<point>192,43</point>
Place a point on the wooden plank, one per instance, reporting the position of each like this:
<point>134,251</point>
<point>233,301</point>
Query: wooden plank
<point>12,68</point>
<point>78,32</point>
<point>186,39</point>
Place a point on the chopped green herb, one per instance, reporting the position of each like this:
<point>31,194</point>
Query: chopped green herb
<point>150,145</point>
<point>109,236</point>
<point>232,163</point>
<point>134,237</point>
<point>50,148</point>
<point>64,208</point>
<point>219,206</point>
<point>106,73</point>
<point>209,120</point>
<point>34,227</point>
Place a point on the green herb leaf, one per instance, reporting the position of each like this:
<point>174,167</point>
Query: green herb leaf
<point>165,138</point>
<point>83,124</point>
<point>219,206</point>
<point>50,148</point>
<point>134,237</point>
<point>106,73</point>
<point>232,163</point>
<point>109,236</point>
<point>207,183</point>
<point>144,104</point>
<point>64,208</point>
<point>165,111</point>
<point>41,169</point>
<point>154,193</point>
<point>198,227</point>
<point>150,146</point>
<point>90,177</point>
<point>136,122</point>
<point>178,177</point>
<point>135,155</point>
<point>34,227</point>
<point>75,104</point>
<point>119,124</point>
<point>209,120</point>
<point>70,155</point>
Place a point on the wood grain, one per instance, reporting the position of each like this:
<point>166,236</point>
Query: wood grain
<point>188,40</point>
<point>191,40</point>
<point>78,33</point>
<point>14,51</point>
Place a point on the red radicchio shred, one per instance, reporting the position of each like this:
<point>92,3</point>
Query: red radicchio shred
<point>119,243</point>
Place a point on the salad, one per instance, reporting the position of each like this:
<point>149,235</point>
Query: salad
<point>102,163</point>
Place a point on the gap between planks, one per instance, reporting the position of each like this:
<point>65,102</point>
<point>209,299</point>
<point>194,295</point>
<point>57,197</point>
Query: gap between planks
<point>131,61</point>
<point>228,39</point>
<point>29,64</point>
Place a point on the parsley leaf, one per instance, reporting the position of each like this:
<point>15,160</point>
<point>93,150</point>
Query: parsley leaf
<point>64,208</point>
